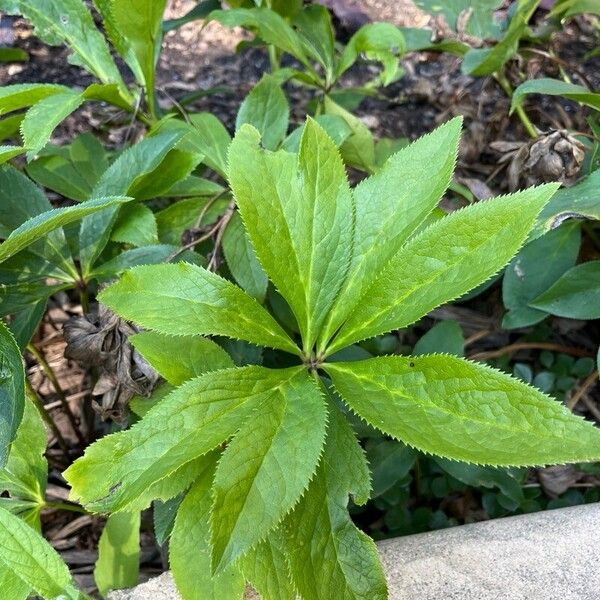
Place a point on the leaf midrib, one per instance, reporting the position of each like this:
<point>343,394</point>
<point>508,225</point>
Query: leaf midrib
<point>431,404</point>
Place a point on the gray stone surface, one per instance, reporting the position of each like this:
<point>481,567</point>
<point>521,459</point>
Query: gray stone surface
<point>543,556</point>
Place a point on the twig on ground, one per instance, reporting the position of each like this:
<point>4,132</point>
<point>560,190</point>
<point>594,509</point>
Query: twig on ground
<point>49,372</point>
<point>511,348</point>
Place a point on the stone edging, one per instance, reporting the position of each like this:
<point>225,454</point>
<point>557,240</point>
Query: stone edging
<point>550,555</point>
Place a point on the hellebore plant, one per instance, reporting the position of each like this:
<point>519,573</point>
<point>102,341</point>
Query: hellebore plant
<point>265,458</point>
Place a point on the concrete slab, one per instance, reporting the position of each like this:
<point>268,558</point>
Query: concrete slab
<point>551,555</point>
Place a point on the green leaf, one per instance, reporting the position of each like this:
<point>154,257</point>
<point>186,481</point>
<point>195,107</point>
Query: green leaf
<point>121,44</point>
<point>22,95</point>
<point>25,323</point>
<point>9,126</point>
<point>241,260</point>
<point>390,462</point>
<point>213,140</point>
<point>13,55</point>
<point>20,200</point>
<point>576,295</point>
<point>136,226</point>
<point>59,175</point>
<point>265,566</point>
<point>8,152</point>
<point>582,201</point>
<point>534,270</point>
<point>266,468</point>
<point>139,23</point>
<point>266,108</point>
<point>485,61</point>
<point>569,8</point>
<point>189,422</point>
<point>316,31</point>
<point>442,263</point>
<point>194,186</point>
<point>202,9</point>
<point>389,207</point>
<point>126,174</point>
<point>480,21</point>
<point>163,514</point>
<point>555,87</point>
<point>31,558</point>
<point>359,149</point>
<point>195,355</point>
<point>186,214</point>
<point>477,476</point>
<point>12,391</point>
<point>69,22</point>
<point>335,127</point>
<point>118,561</point>
<point>329,557</point>
<point>43,118</point>
<point>190,549</point>
<point>11,585</point>
<point>146,255</point>
<point>88,158</point>
<point>270,26</point>
<point>184,299</point>
<point>308,201</point>
<point>445,337</point>
<point>33,229</point>
<point>464,411</point>
<point>25,473</point>
<point>382,42</point>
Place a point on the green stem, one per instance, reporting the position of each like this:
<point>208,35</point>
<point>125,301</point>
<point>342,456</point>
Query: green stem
<point>49,372</point>
<point>66,506</point>
<point>84,299</point>
<point>505,85</point>
<point>33,396</point>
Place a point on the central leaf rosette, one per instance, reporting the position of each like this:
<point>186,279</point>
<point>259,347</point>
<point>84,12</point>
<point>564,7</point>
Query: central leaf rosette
<point>266,457</point>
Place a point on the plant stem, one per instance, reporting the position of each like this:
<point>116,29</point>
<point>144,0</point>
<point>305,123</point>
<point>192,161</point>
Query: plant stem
<point>83,297</point>
<point>505,85</point>
<point>273,58</point>
<point>66,506</point>
<point>49,372</point>
<point>33,396</point>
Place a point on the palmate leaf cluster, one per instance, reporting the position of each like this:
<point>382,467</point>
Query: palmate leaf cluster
<point>264,460</point>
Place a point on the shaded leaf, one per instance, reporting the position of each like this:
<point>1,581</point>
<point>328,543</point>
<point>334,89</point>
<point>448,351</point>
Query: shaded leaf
<point>576,295</point>
<point>195,355</point>
<point>555,87</point>
<point>445,337</point>
<point>537,266</point>
<point>191,538</point>
<point>266,109</point>
<point>118,561</point>
<point>241,260</point>
<point>12,391</point>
